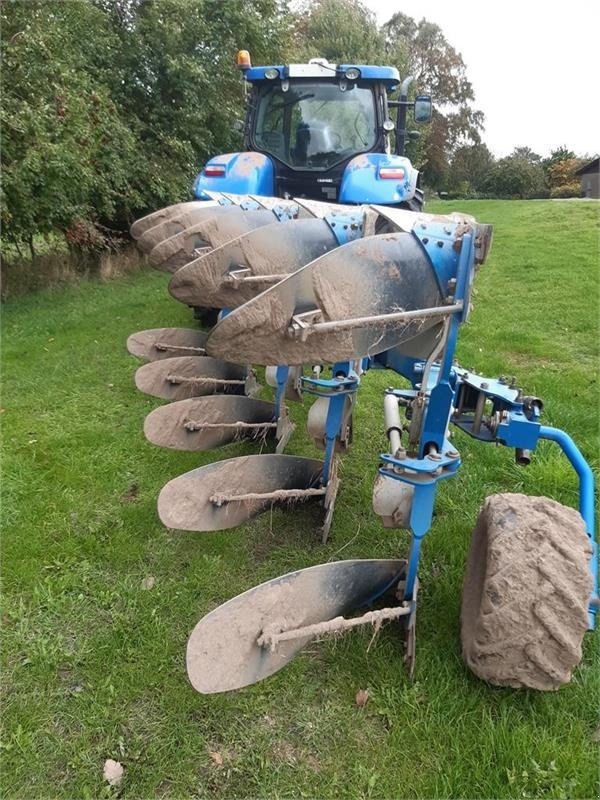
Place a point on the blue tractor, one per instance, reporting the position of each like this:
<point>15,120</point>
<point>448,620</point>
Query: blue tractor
<point>324,132</point>
<point>314,247</point>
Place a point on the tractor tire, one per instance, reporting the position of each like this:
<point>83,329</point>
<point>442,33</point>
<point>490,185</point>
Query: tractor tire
<point>206,316</point>
<point>526,592</point>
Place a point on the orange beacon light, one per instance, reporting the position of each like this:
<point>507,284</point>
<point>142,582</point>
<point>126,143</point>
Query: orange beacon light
<point>242,59</point>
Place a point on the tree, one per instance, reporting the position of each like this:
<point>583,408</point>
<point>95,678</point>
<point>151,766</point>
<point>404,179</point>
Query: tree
<point>516,176</point>
<point>66,149</point>
<point>338,30</point>
<point>110,106</point>
<point>526,154</point>
<point>425,53</point>
<point>561,153</point>
<point>178,83</point>
<point>469,169</point>
<point>562,180</point>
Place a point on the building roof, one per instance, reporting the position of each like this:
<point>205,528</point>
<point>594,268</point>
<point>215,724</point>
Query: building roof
<point>591,166</point>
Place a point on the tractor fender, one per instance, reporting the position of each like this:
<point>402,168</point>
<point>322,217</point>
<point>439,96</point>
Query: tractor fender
<point>236,173</point>
<point>362,181</point>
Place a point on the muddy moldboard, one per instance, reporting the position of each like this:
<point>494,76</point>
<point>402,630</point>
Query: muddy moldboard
<point>222,229</point>
<point>185,502</point>
<point>177,251</point>
<point>140,226</point>
<point>166,425</point>
<point>160,343</point>
<point>189,376</point>
<point>222,653</point>
<point>367,277</point>
<point>178,222</point>
<point>268,250</point>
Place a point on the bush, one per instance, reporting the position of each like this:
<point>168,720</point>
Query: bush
<point>572,189</point>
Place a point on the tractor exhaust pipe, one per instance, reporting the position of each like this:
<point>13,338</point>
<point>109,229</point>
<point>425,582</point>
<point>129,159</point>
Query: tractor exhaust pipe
<point>401,121</point>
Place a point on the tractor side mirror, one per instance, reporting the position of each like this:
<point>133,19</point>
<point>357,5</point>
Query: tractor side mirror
<point>414,135</point>
<point>422,109</point>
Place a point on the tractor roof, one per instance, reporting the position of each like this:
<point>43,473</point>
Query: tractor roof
<point>321,68</point>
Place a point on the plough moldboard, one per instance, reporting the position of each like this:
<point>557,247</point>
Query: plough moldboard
<point>320,294</point>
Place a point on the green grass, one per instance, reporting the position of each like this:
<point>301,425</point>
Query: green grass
<point>94,664</point>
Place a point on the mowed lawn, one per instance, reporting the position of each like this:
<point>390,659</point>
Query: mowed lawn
<point>94,660</point>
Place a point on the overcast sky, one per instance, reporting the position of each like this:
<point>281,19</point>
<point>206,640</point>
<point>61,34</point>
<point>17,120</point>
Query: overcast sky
<point>534,66</point>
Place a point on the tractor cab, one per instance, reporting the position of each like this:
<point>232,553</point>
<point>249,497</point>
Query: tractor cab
<point>324,132</point>
<point>316,119</point>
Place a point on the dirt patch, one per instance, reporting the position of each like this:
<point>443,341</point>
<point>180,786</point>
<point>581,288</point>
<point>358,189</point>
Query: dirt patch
<point>130,495</point>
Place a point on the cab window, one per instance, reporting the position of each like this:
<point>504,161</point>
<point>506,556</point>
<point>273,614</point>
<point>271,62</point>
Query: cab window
<point>315,125</point>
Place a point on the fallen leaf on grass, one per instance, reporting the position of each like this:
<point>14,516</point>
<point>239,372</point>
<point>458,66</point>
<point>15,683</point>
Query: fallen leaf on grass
<point>130,494</point>
<point>148,582</point>
<point>113,772</point>
<point>361,698</point>
<point>216,757</point>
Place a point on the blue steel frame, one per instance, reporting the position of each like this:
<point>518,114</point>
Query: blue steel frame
<point>345,382</point>
<point>518,426</point>
<point>437,459</point>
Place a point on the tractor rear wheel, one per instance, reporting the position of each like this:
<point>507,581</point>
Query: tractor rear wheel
<point>526,592</point>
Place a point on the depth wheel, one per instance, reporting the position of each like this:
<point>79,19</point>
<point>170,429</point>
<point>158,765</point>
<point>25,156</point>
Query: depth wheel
<point>526,592</point>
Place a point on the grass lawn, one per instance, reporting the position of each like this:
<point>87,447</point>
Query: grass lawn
<point>94,662</point>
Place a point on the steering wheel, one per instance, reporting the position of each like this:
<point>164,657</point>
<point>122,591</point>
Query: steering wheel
<point>336,140</point>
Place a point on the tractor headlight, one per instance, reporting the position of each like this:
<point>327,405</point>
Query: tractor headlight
<point>271,73</point>
<point>352,74</point>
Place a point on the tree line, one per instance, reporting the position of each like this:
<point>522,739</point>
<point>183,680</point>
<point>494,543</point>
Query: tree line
<point>474,172</point>
<point>110,107</point>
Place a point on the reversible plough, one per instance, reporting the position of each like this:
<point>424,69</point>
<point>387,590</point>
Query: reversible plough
<point>319,294</point>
